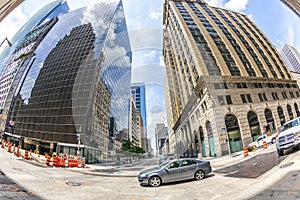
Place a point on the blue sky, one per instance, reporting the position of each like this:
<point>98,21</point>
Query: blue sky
<point>144,21</point>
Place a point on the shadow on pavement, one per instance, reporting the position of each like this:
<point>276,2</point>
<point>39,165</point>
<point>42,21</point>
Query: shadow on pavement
<point>253,167</point>
<point>181,182</point>
<point>288,188</point>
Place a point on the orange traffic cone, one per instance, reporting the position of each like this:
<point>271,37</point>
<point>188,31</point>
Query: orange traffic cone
<point>82,163</point>
<point>265,145</point>
<point>245,152</point>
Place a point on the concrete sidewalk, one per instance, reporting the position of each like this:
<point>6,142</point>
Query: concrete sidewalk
<point>133,169</point>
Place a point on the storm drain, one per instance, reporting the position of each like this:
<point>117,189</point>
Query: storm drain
<point>73,183</point>
<point>287,165</point>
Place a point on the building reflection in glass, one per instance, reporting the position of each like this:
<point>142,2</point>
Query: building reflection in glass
<point>78,82</point>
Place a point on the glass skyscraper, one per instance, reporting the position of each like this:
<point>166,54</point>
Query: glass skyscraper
<point>9,59</point>
<point>49,11</point>
<point>77,82</point>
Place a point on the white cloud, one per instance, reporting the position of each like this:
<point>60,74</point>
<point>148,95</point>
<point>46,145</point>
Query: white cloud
<point>217,3</point>
<point>151,54</point>
<point>250,16</point>
<point>161,61</point>
<point>236,5</point>
<point>11,24</point>
<point>155,15</point>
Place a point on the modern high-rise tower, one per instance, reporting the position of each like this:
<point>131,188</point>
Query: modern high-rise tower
<point>292,57</point>
<point>74,88</point>
<point>227,82</point>
<point>25,42</point>
<point>138,92</point>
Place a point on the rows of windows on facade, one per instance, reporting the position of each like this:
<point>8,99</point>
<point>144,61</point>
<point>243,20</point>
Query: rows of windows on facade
<point>229,82</point>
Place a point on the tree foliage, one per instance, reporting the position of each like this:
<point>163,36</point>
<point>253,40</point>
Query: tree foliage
<point>128,146</point>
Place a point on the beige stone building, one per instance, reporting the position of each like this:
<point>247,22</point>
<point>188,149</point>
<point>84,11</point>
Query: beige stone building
<point>294,5</point>
<point>227,83</point>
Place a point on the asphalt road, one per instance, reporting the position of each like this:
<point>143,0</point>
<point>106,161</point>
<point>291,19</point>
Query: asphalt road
<point>254,167</point>
<point>281,182</point>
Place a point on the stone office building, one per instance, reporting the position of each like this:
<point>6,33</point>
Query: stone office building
<point>227,84</point>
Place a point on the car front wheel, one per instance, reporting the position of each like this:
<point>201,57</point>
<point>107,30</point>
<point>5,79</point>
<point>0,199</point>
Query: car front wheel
<point>273,140</point>
<point>280,152</point>
<point>154,181</point>
<point>199,175</point>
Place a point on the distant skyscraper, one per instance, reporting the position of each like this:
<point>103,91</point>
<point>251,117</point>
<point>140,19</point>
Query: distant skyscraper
<point>227,83</point>
<point>292,57</point>
<point>160,137</point>
<point>294,5</point>
<point>138,92</point>
<point>76,82</point>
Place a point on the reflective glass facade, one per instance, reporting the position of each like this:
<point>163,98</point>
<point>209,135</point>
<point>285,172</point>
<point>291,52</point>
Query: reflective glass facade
<point>49,11</point>
<point>78,82</point>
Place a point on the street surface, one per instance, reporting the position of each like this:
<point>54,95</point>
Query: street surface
<point>106,183</point>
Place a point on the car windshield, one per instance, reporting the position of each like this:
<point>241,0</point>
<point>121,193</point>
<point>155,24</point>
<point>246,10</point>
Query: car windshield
<point>164,164</point>
<point>290,125</point>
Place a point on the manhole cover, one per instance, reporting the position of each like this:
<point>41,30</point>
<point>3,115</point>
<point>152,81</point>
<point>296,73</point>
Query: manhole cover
<point>73,183</point>
<point>287,165</point>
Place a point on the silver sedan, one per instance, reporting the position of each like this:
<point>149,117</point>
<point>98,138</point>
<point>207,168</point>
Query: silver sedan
<point>175,170</point>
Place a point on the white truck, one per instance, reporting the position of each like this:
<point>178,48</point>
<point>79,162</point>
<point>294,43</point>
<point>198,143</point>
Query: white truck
<point>264,137</point>
<point>289,137</point>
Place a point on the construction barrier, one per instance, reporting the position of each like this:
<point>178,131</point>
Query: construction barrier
<point>245,152</point>
<point>265,145</point>
<point>82,163</point>
<point>48,160</point>
<point>18,151</point>
<point>9,147</point>
<point>26,155</point>
<point>72,163</point>
<point>56,161</point>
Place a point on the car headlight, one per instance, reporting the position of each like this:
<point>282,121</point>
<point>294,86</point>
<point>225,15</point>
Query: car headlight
<point>142,175</point>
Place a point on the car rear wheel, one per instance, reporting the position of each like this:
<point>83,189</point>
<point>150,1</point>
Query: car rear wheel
<point>154,181</point>
<point>199,175</point>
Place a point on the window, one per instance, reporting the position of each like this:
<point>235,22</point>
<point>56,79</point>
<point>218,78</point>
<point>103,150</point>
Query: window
<point>221,100</point>
<point>292,94</point>
<point>275,96</point>
<point>249,98</point>
<point>264,96</point>
<point>228,99</point>
<point>284,95</point>
<point>260,97</point>
<point>188,162</point>
<point>173,165</point>
<point>246,98</point>
<point>243,98</point>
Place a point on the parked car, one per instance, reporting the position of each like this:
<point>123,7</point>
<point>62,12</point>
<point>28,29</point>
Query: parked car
<point>175,170</point>
<point>264,137</point>
<point>289,137</point>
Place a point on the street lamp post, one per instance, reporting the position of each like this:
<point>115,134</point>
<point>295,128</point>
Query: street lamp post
<point>78,138</point>
<point>8,42</point>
